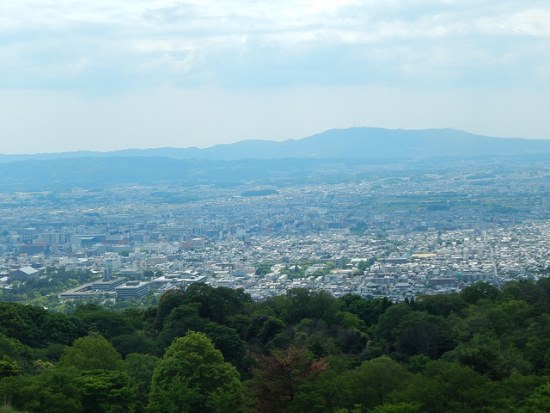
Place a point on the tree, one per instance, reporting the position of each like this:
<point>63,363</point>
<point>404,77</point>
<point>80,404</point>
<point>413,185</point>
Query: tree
<point>422,333</point>
<point>327,391</point>
<point>450,388</point>
<point>193,377</point>
<point>300,303</point>
<point>14,350</point>
<point>538,344</point>
<point>367,310</point>
<point>279,376</point>
<point>263,268</point>
<point>375,380</point>
<point>8,367</point>
<point>168,301</point>
<point>442,305</point>
<point>108,323</point>
<point>107,391</point>
<point>264,328</point>
<point>6,408</point>
<point>139,368</point>
<point>539,401</point>
<point>60,390</point>
<point>479,291</point>
<point>487,355</point>
<point>397,408</point>
<point>91,353</point>
<point>217,304</point>
<point>51,391</point>
<point>62,329</point>
<point>227,340</point>
<point>387,327</point>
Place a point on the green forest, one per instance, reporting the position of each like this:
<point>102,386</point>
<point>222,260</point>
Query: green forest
<point>207,349</point>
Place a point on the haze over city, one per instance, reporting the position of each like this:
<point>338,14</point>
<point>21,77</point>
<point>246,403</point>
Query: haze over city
<point>107,75</point>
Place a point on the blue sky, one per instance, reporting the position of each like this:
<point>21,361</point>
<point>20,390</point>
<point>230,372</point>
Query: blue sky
<point>103,74</point>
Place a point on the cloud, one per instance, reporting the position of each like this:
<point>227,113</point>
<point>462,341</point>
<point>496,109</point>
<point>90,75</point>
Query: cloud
<point>189,42</point>
<point>118,72</point>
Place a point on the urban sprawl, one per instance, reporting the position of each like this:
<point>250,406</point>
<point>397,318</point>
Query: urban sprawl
<point>398,236</point>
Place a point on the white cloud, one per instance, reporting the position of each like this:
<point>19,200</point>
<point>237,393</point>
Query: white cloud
<point>204,35</point>
<point>115,49</point>
<point>532,22</point>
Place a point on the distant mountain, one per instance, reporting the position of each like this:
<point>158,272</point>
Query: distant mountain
<point>333,156</point>
<point>376,143</point>
<point>354,143</point>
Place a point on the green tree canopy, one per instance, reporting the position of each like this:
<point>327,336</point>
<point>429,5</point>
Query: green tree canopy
<point>479,291</point>
<point>375,380</point>
<point>91,353</point>
<point>539,401</point>
<point>193,377</point>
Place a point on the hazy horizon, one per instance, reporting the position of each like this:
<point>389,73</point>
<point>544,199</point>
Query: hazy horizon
<point>102,76</point>
<point>130,148</point>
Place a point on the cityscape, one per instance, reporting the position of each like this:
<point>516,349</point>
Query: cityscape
<point>398,233</point>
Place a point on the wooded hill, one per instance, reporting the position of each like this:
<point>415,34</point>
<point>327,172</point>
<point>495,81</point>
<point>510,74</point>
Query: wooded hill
<point>216,350</point>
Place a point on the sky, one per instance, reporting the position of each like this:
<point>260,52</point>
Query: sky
<point>111,74</point>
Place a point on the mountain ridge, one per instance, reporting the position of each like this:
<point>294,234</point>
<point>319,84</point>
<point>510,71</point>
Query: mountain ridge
<point>364,142</point>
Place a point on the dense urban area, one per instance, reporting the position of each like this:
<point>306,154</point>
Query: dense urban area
<point>390,233</point>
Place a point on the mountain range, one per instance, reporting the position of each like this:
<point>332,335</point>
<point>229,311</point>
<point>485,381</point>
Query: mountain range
<point>333,156</point>
<point>356,143</point>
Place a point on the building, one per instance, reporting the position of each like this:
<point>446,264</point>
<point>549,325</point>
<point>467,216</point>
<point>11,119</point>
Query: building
<point>132,290</point>
<point>103,287</point>
<point>24,274</point>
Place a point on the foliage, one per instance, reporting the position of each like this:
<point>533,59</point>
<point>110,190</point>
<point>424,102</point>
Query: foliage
<point>263,268</point>
<point>139,368</point>
<point>35,326</point>
<point>8,367</point>
<point>44,290</point>
<point>92,352</point>
<point>375,380</point>
<point>277,378</point>
<point>539,401</point>
<point>193,376</point>
<point>215,349</point>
